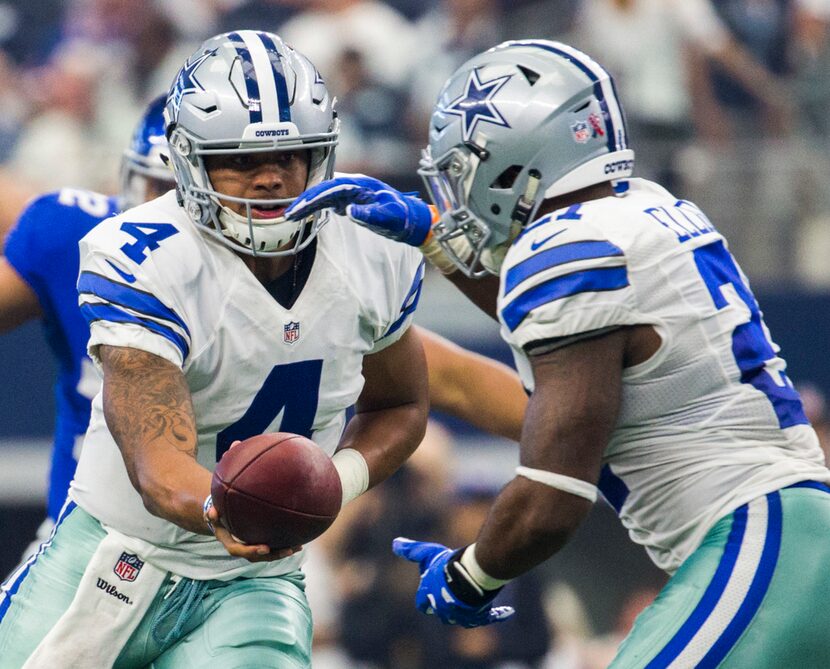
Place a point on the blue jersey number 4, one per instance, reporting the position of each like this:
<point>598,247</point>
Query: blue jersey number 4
<point>750,344</point>
<point>293,389</point>
<point>147,237</point>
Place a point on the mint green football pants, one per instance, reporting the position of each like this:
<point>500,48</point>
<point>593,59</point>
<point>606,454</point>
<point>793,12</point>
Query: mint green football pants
<point>754,595</point>
<point>254,623</point>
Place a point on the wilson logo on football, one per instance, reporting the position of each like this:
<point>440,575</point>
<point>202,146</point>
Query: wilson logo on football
<point>128,566</point>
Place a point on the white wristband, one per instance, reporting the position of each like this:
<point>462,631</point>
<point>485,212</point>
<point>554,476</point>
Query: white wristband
<point>561,482</point>
<point>353,471</point>
<point>479,576</point>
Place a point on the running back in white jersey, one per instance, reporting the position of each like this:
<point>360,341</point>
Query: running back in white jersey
<point>151,281</point>
<point>711,421</point>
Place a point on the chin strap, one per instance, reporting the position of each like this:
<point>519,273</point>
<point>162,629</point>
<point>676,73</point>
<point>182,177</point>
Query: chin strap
<point>526,204</point>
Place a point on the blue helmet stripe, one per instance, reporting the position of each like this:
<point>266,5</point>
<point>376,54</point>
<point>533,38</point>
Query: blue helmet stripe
<point>279,76</point>
<point>251,82</point>
<point>599,78</point>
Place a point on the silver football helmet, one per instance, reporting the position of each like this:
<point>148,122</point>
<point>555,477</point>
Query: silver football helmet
<point>518,124</point>
<point>240,92</point>
<point>143,170</point>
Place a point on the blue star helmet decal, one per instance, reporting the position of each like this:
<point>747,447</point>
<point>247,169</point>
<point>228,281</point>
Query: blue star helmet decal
<point>185,82</point>
<point>476,104</point>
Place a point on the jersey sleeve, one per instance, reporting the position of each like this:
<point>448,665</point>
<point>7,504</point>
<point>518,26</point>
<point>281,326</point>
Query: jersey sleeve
<point>20,243</point>
<point>563,284</point>
<point>404,288</point>
<point>129,304</point>
<point>49,228</point>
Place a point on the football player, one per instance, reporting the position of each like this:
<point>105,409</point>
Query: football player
<point>654,380</point>
<point>213,319</point>
<point>37,280</point>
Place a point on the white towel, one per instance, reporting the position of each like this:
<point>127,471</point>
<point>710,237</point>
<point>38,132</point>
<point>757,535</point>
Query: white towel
<point>113,596</point>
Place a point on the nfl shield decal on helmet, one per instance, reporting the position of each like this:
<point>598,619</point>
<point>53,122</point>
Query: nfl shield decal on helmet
<point>581,131</point>
<point>128,566</point>
<point>291,332</point>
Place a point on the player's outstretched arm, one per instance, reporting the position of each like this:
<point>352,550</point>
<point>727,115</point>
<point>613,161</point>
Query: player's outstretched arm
<point>569,420</point>
<point>18,302</point>
<point>483,392</point>
<point>403,217</point>
<point>149,412</point>
<point>568,423</point>
<point>390,415</point>
<point>148,409</point>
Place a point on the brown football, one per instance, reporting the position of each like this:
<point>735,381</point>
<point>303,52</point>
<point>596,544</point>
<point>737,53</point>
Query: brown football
<point>278,489</point>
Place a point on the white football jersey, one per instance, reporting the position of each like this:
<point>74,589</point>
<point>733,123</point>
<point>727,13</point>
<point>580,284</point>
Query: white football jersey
<point>150,280</point>
<point>708,423</point>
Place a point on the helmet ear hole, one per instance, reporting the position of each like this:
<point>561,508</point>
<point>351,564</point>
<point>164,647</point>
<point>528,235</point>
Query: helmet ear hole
<point>507,178</point>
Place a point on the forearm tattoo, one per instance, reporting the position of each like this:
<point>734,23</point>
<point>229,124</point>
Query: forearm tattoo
<point>146,400</point>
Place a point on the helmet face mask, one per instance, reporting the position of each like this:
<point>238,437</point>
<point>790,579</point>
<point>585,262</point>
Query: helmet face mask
<point>144,173</point>
<point>247,92</point>
<point>523,122</point>
<point>447,184</point>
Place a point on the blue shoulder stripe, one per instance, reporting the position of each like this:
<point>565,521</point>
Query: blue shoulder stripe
<point>410,303</point>
<point>559,255</point>
<point>591,280</point>
<point>106,312</point>
<point>122,295</point>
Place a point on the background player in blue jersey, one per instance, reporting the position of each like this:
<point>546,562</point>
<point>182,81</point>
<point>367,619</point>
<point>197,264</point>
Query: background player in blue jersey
<point>654,380</point>
<point>38,276</point>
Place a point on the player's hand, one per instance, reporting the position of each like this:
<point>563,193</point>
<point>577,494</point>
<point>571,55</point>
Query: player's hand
<point>371,203</point>
<point>437,593</point>
<point>237,548</point>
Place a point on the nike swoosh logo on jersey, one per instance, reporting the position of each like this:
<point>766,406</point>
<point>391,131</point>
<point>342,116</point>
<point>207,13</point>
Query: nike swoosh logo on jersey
<point>541,242</point>
<point>129,278</point>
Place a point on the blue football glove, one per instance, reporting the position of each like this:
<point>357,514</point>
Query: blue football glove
<point>442,580</point>
<point>371,203</point>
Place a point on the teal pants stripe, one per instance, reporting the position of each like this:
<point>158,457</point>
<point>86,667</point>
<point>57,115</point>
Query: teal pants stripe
<point>10,587</point>
<point>752,595</point>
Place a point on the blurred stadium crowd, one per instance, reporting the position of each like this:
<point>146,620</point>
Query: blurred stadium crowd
<point>727,102</point>
<point>724,97</point>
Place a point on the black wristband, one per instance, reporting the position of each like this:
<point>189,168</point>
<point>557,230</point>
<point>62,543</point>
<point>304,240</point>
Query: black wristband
<point>462,586</point>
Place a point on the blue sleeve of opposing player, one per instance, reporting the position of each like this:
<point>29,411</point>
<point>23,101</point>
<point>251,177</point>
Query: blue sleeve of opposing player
<point>43,245</point>
<point>23,248</point>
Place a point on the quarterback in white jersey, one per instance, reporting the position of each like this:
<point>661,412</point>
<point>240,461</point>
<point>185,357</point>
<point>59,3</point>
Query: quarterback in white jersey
<point>213,319</point>
<point>654,380</point>
<point>251,364</point>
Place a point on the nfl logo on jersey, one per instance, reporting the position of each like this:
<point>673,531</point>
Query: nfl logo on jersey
<point>291,332</point>
<point>128,566</point>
